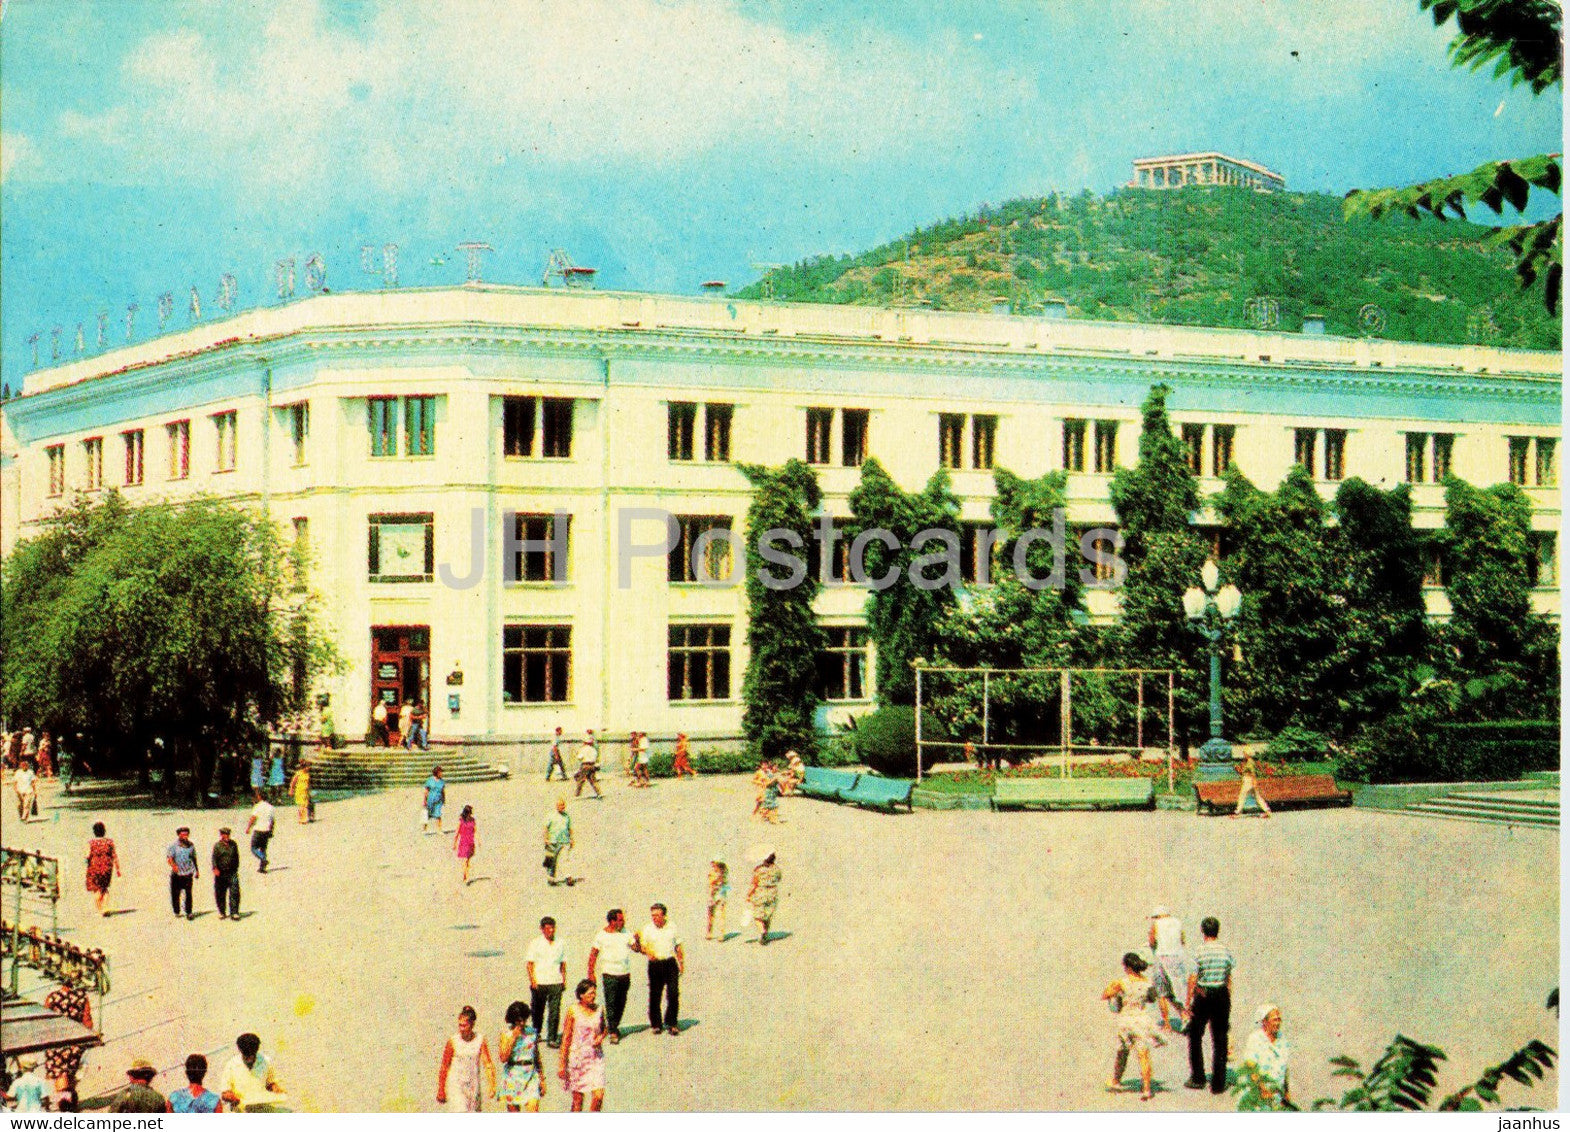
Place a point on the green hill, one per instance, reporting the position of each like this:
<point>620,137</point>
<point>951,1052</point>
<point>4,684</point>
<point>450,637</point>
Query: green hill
<point>1196,256</point>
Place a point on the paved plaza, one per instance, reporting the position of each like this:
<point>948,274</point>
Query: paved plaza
<point>945,960</point>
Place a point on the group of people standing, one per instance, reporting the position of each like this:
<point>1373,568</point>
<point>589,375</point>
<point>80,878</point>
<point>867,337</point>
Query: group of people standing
<point>580,1032</point>
<point>1193,994</point>
<point>410,718</point>
<point>637,766</point>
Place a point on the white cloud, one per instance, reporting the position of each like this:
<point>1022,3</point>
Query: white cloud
<point>429,88</point>
<point>16,150</point>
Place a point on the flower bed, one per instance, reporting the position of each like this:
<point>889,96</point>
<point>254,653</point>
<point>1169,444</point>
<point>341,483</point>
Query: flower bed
<point>980,782</point>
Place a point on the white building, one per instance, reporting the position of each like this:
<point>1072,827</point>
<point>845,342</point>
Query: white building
<point>395,430</point>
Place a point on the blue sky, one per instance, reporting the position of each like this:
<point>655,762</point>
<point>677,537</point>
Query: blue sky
<point>153,145</point>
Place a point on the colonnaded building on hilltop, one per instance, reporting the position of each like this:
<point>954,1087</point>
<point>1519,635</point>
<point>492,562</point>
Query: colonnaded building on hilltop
<point>393,433</point>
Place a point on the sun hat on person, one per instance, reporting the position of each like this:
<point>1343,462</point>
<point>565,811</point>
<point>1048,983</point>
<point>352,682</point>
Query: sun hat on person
<point>141,1067</point>
<point>1264,1012</point>
<point>760,853</point>
<point>1159,911</point>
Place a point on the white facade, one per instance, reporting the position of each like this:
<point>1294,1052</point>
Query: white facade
<point>926,381</point>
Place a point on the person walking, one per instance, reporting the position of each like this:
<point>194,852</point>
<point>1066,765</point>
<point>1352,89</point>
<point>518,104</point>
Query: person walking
<point>275,776</point>
<point>103,865</point>
<point>434,798</point>
<point>406,725</point>
<point>558,839</point>
<point>465,1053</point>
<point>183,871</point>
<point>682,763</point>
<point>523,1077</point>
<point>557,762</point>
<point>1170,947</point>
<point>583,1050</point>
<point>25,784</point>
<point>67,765</point>
<point>546,962</point>
<point>1266,1056</point>
<point>611,957</point>
<point>660,943</point>
<point>381,736</point>
<point>1209,1004</point>
<point>1130,996</point>
<point>260,827</point>
<point>62,1064</point>
<point>195,1097</point>
<point>29,746</point>
<point>640,759</point>
<point>226,875</point>
<point>1249,774</point>
<point>249,1083</point>
<point>418,733</point>
<point>46,755</point>
<point>139,1095</point>
<point>764,895</point>
<point>588,766</point>
<point>719,893</point>
<point>300,789</point>
<point>463,842</point>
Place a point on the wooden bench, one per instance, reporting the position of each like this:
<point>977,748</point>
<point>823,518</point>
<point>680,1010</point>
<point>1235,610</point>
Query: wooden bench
<point>1074,793</point>
<point>824,782</point>
<point>882,793</point>
<point>1287,791</point>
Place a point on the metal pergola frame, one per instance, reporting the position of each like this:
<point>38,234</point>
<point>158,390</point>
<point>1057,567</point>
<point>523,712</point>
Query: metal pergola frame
<point>1066,701</point>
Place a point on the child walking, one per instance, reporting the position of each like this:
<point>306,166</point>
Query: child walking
<point>719,889</point>
<point>463,842</point>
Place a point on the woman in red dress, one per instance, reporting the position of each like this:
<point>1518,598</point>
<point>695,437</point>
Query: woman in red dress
<point>103,865</point>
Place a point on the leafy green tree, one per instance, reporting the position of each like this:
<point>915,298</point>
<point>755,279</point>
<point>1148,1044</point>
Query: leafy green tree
<point>779,692</point>
<point>902,617</point>
<point>1407,1073</point>
<point>1154,501</point>
<point>1524,40</point>
<point>172,622</point>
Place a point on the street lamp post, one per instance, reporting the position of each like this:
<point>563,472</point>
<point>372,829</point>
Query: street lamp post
<point>1209,608</point>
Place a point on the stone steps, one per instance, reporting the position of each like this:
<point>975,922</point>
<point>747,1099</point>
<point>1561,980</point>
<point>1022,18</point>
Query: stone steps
<point>1501,808</point>
<point>375,768</point>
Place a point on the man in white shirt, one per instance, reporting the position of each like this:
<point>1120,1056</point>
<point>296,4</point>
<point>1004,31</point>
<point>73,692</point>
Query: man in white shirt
<point>588,765</point>
<point>1169,946</point>
<point>661,944</point>
<point>546,960</point>
<point>260,827</point>
<point>611,956</point>
<point>248,1083</point>
<point>24,782</point>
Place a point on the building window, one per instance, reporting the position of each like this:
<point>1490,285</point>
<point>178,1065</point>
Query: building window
<point>536,664</point>
<point>820,422</point>
<point>1194,447</point>
<point>951,440</point>
<point>179,434</point>
<point>976,551</point>
<point>698,662</point>
<point>1417,457</point>
<point>535,559</point>
<point>299,430</point>
<point>839,554</point>
<point>842,665</point>
<point>1518,454</point>
<point>226,429</point>
<point>93,450</point>
<point>1547,473</point>
<point>1542,560</point>
<point>853,436</point>
<point>1106,446</point>
<point>1221,438</point>
<point>518,426</point>
<point>714,557</point>
<point>1303,440</point>
<point>1335,453</point>
<point>384,425</point>
<point>56,454</point>
<point>402,548</point>
<point>681,420</point>
<point>1444,443</point>
<point>716,433</point>
<point>983,441</point>
<point>557,440</point>
<point>419,420</point>
<point>1074,446</point>
<point>134,447</point>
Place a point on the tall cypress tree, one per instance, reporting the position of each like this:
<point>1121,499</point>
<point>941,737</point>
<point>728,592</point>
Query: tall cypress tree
<point>779,692</point>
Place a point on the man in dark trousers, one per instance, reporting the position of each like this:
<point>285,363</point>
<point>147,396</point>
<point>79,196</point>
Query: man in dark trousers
<point>1209,1004</point>
<point>226,875</point>
<point>660,943</point>
<point>557,762</point>
<point>183,871</point>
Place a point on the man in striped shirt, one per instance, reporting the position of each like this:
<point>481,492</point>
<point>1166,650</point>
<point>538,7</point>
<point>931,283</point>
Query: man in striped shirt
<point>1209,1004</point>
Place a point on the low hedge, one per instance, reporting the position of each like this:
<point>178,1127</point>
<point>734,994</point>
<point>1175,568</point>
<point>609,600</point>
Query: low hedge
<point>740,761</point>
<point>886,740</point>
<point>1408,748</point>
<point>1297,743</point>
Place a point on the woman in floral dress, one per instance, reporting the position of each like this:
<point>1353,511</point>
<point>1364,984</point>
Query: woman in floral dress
<point>764,895</point>
<point>523,1079</point>
<point>1131,996</point>
<point>103,865</point>
<point>61,1065</point>
<point>583,1050</point>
